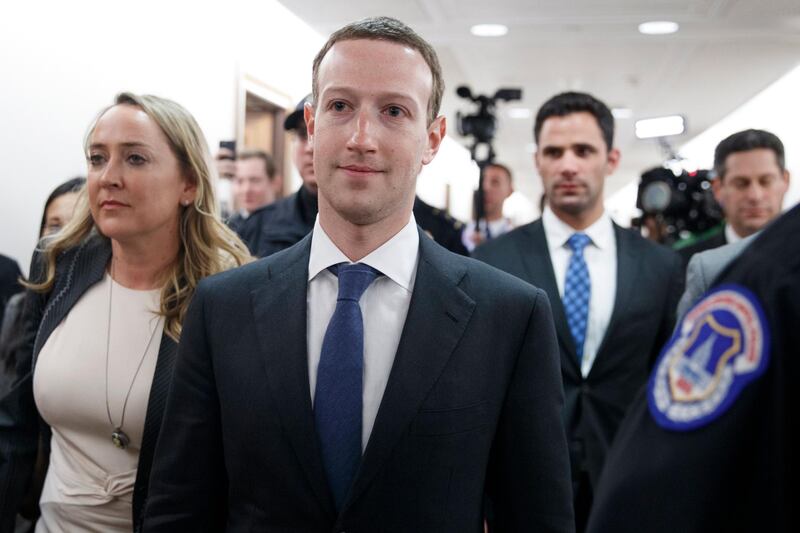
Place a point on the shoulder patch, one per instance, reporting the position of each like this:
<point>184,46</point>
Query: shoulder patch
<point>720,346</point>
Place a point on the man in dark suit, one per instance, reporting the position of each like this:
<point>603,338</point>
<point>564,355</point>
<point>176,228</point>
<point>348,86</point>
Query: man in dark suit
<point>313,393</point>
<point>613,292</point>
<point>751,181</point>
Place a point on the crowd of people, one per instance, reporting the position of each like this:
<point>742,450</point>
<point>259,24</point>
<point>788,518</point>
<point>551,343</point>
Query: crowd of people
<point>335,361</point>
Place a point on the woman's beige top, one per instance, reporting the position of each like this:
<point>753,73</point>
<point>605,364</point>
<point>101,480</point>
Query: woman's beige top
<point>89,483</point>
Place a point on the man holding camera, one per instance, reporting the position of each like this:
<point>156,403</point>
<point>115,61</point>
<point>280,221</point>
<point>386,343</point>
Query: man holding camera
<point>497,187</point>
<point>613,292</point>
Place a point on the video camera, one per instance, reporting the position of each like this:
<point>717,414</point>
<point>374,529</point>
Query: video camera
<point>680,202</point>
<point>482,124</point>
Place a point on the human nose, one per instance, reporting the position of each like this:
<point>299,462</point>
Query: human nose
<point>362,140</point>
<point>754,193</point>
<point>568,164</point>
<point>111,174</point>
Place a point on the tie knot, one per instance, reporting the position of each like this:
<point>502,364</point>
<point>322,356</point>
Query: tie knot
<point>578,242</point>
<point>353,279</point>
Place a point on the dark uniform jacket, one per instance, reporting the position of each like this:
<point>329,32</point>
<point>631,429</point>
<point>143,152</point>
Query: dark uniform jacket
<point>732,464</point>
<point>77,269</point>
<point>279,225</point>
<point>443,228</point>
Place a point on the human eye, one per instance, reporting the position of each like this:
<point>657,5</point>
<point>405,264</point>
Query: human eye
<point>740,184</point>
<point>136,159</point>
<point>551,152</point>
<point>338,106</point>
<point>394,111</point>
<point>51,228</point>
<point>95,160</point>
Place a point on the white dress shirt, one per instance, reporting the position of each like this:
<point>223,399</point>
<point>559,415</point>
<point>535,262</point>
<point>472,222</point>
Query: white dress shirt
<point>496,228</point>
<point>384,306</point>
<point>730,235</point>
<point>601,260</point>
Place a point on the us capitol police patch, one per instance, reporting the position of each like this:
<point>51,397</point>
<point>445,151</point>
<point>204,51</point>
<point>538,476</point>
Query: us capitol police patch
<point>721,345</point>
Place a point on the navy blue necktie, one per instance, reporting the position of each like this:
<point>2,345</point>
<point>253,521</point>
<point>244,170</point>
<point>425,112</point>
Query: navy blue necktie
<point>338,398</point>
<point>577,290</point>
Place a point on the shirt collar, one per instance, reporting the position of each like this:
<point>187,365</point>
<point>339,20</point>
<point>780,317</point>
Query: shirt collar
<point>730,234</point>
<point>601,232</point>
<point>396,258</point>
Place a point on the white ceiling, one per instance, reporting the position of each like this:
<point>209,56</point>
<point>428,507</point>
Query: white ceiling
<point>725,52</point>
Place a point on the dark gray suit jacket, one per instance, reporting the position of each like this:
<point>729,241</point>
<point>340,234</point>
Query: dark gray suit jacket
<point>649,282</point>
<point>77,270</point>
<point>471,408</point>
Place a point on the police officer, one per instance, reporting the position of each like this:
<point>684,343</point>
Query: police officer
<point>709,445</point>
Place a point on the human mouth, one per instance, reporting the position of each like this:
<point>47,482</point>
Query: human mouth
<point>359,170</point>
<point>111,204</point>
<point>568,187</point>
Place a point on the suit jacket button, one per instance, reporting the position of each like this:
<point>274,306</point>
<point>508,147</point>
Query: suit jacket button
<point>585,389</point>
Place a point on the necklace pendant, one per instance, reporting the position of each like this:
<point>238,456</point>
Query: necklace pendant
<point>120,439</point>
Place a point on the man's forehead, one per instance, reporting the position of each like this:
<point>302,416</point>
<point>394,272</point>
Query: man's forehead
<point>369,59</point>
<point>356,50</point>
<point>751,164</point>
<point>574,128</point>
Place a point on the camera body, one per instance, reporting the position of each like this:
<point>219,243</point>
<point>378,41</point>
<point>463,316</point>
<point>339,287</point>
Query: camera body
<point>482,125</point>
<point>683,203</point>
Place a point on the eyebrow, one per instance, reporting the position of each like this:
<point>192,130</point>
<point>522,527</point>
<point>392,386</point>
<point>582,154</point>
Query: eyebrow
<point>133,144</point>
<point>384,95</point>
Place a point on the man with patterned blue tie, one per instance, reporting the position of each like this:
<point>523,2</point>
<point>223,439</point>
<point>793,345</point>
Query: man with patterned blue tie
<point>365,379</point>
<point>613,293</point>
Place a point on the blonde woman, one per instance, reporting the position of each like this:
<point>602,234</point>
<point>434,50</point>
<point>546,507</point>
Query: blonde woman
<point>103,317</point>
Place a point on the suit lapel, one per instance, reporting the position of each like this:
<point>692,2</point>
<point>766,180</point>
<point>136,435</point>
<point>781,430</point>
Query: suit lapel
<point>627,271</point>
<point>156,401</point>
<point>285,358</point>
<point>536,259</point>
<point>437,318</point>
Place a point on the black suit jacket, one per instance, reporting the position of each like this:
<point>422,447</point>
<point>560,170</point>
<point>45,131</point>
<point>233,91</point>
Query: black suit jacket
<point>649,283</point>
<point>472,407</point>
<point>77,270</point>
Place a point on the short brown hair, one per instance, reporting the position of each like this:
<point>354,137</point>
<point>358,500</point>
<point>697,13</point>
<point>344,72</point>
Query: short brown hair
<point>744,141</point>
<point>269,163</point>
<point>388,29</point>
<point>505,169</point>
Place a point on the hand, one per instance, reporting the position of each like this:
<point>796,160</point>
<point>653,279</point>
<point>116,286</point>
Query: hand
<point>477,237</point>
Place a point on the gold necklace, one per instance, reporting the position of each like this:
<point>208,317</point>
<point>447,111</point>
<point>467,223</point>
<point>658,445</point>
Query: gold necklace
<point>118,436</point>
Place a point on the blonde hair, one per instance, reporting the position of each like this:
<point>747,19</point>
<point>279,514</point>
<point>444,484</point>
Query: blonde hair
<point>207,245</point>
